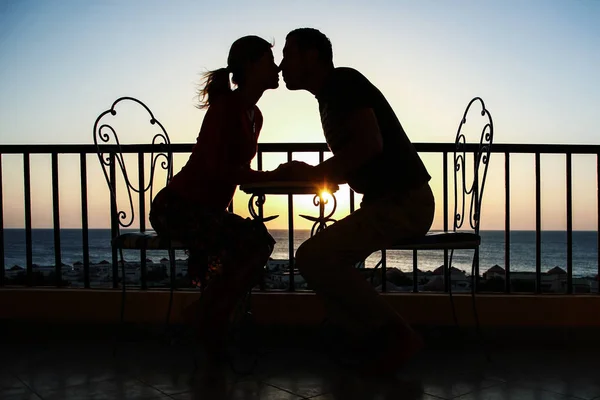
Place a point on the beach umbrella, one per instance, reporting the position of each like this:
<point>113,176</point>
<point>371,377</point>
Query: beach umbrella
<point>557,271</point>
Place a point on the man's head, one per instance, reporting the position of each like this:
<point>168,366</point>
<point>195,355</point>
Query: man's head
<point>307,53</point>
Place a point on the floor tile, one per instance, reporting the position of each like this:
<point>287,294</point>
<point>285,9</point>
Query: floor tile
<point>376,391</point>
<point>12,387</point>
<point>246,390</point>
<point>23,396</point>
<point>513,392</point>
<point>9,381</point>
<point>44,382</point>
<point>113,389</point>
<point>377,396</point>
<point>587,388</point>
<point>259,390</point>
<point>304,385</point>
<point>169,383</point>
<point>451,381</point>
<point>307,381</point>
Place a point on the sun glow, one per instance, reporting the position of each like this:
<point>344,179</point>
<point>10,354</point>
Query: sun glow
<point>325,196</point>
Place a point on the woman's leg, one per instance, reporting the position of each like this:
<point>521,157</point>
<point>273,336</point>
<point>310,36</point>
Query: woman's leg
<point>245,251</point>
<point>243,247</point>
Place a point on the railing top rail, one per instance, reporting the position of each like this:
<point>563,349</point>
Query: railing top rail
<point>300,147</point>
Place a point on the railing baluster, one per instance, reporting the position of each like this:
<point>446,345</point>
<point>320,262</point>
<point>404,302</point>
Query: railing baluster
<point>2,272</point>
<point>383,271</point>
<point>259,154</point>
<point>475,270</point>
<point>28,241</point>
<point>142,218</point>
<point>415,273</point>
<point>84,221</point>
<point>321,200</point>
<point>114,222</point>
<point>538,226</point>
<point>507,222</point>
<point>569,226</point>
<point>292,286</point>
<point>259,167</point>
<point>56,217</point>
<point>445,206</point>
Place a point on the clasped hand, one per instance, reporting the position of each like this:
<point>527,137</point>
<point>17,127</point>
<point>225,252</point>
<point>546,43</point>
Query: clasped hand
<point>295,170</point>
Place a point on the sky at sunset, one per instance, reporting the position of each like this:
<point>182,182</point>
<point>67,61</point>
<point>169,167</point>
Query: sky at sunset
<point>535,63</point>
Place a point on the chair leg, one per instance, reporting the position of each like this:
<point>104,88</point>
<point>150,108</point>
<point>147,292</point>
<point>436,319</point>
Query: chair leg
<point>194,326</point>
<point>122,317</point>
<point>475,313</point>
<point>449,275</point>
<point>172,277</point>
<point>375,269</point>
<point>241,333</point>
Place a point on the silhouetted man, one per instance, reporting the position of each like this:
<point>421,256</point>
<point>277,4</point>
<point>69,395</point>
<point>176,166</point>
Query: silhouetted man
<point>371,153</point>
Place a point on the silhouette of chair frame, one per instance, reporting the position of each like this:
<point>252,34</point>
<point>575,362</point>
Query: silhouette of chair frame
<point>111,159</point>
<point>464,192</point>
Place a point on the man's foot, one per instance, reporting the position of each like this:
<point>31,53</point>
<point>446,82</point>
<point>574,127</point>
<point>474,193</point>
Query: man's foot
<point>390,349</point>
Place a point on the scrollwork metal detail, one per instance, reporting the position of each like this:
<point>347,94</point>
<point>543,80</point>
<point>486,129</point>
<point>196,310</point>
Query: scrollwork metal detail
<point>320,222</point>
<point>473,192</point>
<point>110,154</point>
<point>255,206</point>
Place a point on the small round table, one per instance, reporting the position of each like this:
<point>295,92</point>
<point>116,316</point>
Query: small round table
<point>259,191</point>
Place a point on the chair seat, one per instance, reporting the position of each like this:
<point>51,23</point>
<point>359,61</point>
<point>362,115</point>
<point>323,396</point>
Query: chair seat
<point>145,240</point>
<point>440,241</point>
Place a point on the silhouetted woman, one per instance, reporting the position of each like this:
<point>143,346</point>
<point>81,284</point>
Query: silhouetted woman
<point>192,208</point>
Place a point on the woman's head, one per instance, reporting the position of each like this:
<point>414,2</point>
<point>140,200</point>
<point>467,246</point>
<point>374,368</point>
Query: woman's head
<point>250,60</point>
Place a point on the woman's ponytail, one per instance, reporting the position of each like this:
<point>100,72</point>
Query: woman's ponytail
<point>216,83</point>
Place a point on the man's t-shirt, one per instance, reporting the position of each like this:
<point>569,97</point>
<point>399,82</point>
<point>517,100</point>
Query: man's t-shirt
<point>398,168</point>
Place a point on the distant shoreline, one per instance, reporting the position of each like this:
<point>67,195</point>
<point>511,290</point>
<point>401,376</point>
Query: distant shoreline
<point>304,230</point>
<point>493,251</point>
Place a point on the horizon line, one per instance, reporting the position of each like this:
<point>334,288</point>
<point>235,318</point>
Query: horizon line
<point>308,229</point>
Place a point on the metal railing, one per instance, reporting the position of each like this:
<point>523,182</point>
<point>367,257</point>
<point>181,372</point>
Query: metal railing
<point>289,149</point>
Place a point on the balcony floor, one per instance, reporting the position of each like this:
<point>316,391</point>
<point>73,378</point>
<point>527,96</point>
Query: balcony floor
<point>146,369</point>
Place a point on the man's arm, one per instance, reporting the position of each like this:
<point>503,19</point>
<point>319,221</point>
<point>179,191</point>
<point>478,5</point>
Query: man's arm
<point>248,175</point>
<point>365,142</point>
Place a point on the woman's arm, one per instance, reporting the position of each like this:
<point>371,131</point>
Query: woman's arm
<point>242,142</point>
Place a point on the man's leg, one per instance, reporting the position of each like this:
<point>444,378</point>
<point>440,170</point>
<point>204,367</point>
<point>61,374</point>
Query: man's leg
<point>327,260</point>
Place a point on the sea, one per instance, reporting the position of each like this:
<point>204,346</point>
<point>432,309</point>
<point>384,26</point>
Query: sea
<point>522,250</point>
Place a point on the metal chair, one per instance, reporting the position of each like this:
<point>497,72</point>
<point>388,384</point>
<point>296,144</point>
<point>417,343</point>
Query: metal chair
<point>465,192</point>
<point>110,154</point>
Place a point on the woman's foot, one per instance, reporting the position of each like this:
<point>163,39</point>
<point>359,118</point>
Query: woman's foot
<point>213,341</point>
<point>210,325</point>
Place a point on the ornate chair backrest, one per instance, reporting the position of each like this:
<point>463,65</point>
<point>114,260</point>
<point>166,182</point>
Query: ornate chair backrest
<point>469,193</point>
<point>110,153</point>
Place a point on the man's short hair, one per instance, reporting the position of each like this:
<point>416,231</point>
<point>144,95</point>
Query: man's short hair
<point>310,38</point>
